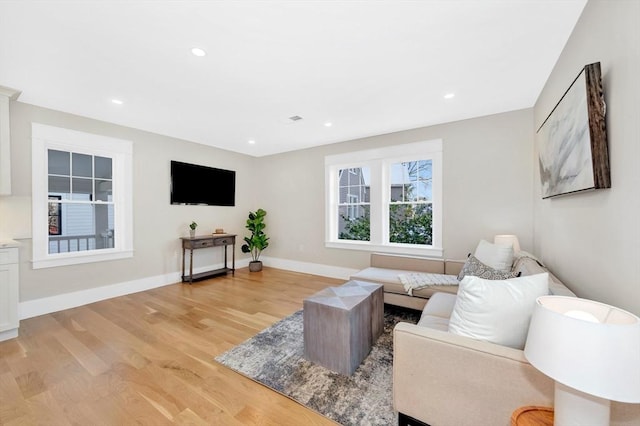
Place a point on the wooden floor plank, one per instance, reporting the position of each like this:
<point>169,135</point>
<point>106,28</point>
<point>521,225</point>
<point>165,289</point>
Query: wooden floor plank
<point>148,357</point>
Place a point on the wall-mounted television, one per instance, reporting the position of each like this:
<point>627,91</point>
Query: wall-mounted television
<point>202,185</point>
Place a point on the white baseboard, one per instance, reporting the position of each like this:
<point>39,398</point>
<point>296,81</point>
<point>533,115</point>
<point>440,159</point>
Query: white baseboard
<point>309,268</point>
<point>47,305</point>
<point>8,334</point>
<point>59,302</point>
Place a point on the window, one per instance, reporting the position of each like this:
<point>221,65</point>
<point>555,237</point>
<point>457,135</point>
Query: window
<point>353,206</point>
<point>82,209</point>
<point>80,201</point>
<point>410,205</point>
<point>386,199</point>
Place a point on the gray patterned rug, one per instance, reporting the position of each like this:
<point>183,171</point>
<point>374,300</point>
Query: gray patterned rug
<point>274,357</point>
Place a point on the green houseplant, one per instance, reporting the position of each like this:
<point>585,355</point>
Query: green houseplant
<point>192,229</point>
<point>257,241</point>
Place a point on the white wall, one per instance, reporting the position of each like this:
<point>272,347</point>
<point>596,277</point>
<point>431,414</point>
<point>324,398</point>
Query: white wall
<point>592,240</point>
<point>157,224</point>
<point>487,188</point>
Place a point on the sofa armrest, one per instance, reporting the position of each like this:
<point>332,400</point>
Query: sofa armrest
<point>444,379</point>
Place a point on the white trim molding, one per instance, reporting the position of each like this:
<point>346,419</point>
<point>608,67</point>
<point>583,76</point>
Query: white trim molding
<point>46,137</point>
<point>379,161</point>
<point>6,94</point>
<point>309,268</point>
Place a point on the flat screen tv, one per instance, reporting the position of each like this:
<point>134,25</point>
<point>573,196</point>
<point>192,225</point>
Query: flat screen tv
<point>202,185</point>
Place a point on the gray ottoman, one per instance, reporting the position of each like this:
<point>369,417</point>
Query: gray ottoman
<point>341,324</point>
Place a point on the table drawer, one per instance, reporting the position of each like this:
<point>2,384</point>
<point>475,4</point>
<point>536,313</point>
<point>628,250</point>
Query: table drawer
<point>201,243</point>
<point>223,241</point>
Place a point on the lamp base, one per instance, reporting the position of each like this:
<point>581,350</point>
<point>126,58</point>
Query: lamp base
<point>575,408</point>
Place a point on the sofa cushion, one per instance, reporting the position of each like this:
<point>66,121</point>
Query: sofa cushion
<point>498,256</point>
<point>474,267</point>
<point>497,311</point>
<point>391,283</point>
<point>437,311</point>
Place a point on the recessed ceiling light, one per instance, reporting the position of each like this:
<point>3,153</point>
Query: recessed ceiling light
<point>117,101</point>
<point>449,95</point>
<point>252,142</point>
<point>328,124</point>
<point>198,52</point>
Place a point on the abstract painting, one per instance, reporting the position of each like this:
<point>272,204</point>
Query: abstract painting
<point>573,152</point>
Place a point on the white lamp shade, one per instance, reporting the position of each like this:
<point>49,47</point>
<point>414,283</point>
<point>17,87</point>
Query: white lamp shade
<point>586,345</point>
<point>508,240</point>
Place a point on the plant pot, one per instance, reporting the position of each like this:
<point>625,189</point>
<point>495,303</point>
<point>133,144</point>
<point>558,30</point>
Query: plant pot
<point>255,266</point>
<point>192,233</point>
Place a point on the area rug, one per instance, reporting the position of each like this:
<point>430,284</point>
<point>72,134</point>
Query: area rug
<point>274,357</point>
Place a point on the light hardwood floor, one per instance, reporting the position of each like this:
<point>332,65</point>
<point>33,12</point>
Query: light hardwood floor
<point>148,358</point>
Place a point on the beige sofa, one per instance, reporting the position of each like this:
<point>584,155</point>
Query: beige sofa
<point>443,379</point>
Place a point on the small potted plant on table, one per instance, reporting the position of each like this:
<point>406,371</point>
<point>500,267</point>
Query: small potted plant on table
<point>192,229</point>
<point>258,241</point>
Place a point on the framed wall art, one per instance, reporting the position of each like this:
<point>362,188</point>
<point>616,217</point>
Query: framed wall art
<point>573,149</point>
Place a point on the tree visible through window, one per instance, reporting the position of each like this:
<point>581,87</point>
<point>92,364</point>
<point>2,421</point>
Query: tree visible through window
<point>386,199</point>
<point>410,212</point>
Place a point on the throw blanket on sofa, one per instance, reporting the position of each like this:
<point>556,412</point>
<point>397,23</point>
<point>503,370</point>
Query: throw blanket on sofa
<point>415,280</point>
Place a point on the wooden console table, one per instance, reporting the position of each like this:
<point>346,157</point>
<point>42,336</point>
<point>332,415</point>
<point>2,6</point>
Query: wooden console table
<point>206,241</point>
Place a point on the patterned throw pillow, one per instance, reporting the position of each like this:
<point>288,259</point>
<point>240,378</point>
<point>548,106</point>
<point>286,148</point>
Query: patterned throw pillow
<point>476,268</point>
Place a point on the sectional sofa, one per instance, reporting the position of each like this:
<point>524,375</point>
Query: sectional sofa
<point>441,378</point>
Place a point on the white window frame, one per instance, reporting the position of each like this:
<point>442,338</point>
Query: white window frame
<point>379,161</point>
<point>352,206</point>
<point>46,137</point>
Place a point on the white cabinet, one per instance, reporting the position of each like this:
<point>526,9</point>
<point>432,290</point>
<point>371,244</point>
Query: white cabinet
<point>8,293</point>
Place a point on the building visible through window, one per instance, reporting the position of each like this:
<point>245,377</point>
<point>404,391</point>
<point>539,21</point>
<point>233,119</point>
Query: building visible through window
<point>82,197</point>
<point>410,211</point>
<point>81,200</point>
<point>353,207</point>
<point>386,199</point>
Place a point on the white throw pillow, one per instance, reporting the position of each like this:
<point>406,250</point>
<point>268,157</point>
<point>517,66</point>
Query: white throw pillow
<point>497,311</point>
<point>498,256</point>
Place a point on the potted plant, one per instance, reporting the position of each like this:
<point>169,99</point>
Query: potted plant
<point>258,241</point>
<point>192,229</point>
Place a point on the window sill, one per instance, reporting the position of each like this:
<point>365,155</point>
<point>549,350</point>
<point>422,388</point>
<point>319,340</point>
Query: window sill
<point>410,249</point>
<point>76,258</point>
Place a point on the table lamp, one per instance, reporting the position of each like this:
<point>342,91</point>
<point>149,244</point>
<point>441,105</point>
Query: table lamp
<point>591,350</point>
<point>508,240</point>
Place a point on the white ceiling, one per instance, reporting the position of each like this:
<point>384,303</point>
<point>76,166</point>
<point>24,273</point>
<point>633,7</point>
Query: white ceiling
<point>369,67</point>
